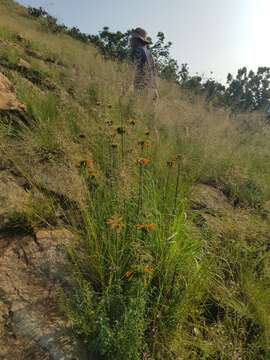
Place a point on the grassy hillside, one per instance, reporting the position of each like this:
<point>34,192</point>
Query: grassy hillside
<point>169,201</point>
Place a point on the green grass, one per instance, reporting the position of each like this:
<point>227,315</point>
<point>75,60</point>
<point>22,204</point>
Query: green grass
<point>152,280</point>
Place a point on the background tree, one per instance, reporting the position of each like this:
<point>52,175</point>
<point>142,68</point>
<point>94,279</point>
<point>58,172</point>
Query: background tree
<point>248,91</point>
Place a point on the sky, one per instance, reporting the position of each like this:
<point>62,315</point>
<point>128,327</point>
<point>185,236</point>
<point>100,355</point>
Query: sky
<point>218,36</point>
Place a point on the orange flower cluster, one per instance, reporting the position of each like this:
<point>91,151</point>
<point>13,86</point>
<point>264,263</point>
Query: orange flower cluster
<point>88,163</point>
<point>115,223</point>
<point>88,166</point>
<point>143,162</point>
<point>146,227</point>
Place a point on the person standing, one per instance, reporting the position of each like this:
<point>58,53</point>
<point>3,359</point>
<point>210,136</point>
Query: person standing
<point>145,69</point>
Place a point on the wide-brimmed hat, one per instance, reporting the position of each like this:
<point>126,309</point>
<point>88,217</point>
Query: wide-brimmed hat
<point>141,34</point>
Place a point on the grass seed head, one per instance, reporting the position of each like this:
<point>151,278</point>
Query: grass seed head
<point>109,122</point>
<point>147,132</point>
<point>132,122</point>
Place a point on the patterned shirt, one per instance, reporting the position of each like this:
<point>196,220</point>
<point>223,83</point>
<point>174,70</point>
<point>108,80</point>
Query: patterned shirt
<point>144,67</point>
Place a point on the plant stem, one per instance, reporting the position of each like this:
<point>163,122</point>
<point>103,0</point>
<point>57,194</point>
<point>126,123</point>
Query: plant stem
<point>122,134</point>
<point>166,185</point>
<point>140,195</point>
<point>122,147</point>
<point>176,188</point>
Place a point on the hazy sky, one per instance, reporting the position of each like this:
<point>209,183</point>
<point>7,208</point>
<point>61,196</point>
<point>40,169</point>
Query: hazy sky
<point>210,35</point>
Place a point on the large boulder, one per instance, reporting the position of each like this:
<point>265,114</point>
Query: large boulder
<point>209,198</point>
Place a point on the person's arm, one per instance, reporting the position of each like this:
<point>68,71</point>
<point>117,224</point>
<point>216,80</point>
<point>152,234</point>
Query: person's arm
<point>139,60</point>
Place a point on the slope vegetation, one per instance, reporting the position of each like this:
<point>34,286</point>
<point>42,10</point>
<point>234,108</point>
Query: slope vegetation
<point>129,229</point>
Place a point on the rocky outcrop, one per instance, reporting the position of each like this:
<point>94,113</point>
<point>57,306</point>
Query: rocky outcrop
<point>32,271</point>
<point>8,100</point>
<point>59,181</point>
<point>215,212</point>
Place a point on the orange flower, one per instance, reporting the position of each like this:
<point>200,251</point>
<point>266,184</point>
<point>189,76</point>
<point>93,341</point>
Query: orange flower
<point>147,270</point>
<point>115,223</point>
<point>143,162</point>
<point>151,227</point>
<point>146,227</point>
<point>88,163</point>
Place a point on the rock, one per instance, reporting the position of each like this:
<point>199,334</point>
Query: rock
<point>13,198</point>
<point>59,179</point>
<point>4,314</point>
<point>52,242</point>
<point>32,271</point>
<point>215,212</point>
<point>207,197</point>
<point>8,100</point>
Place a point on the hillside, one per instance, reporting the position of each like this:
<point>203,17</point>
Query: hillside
<point>129,229</point>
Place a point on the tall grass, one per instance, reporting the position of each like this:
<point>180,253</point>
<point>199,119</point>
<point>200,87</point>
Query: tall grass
<point>135,269</point>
